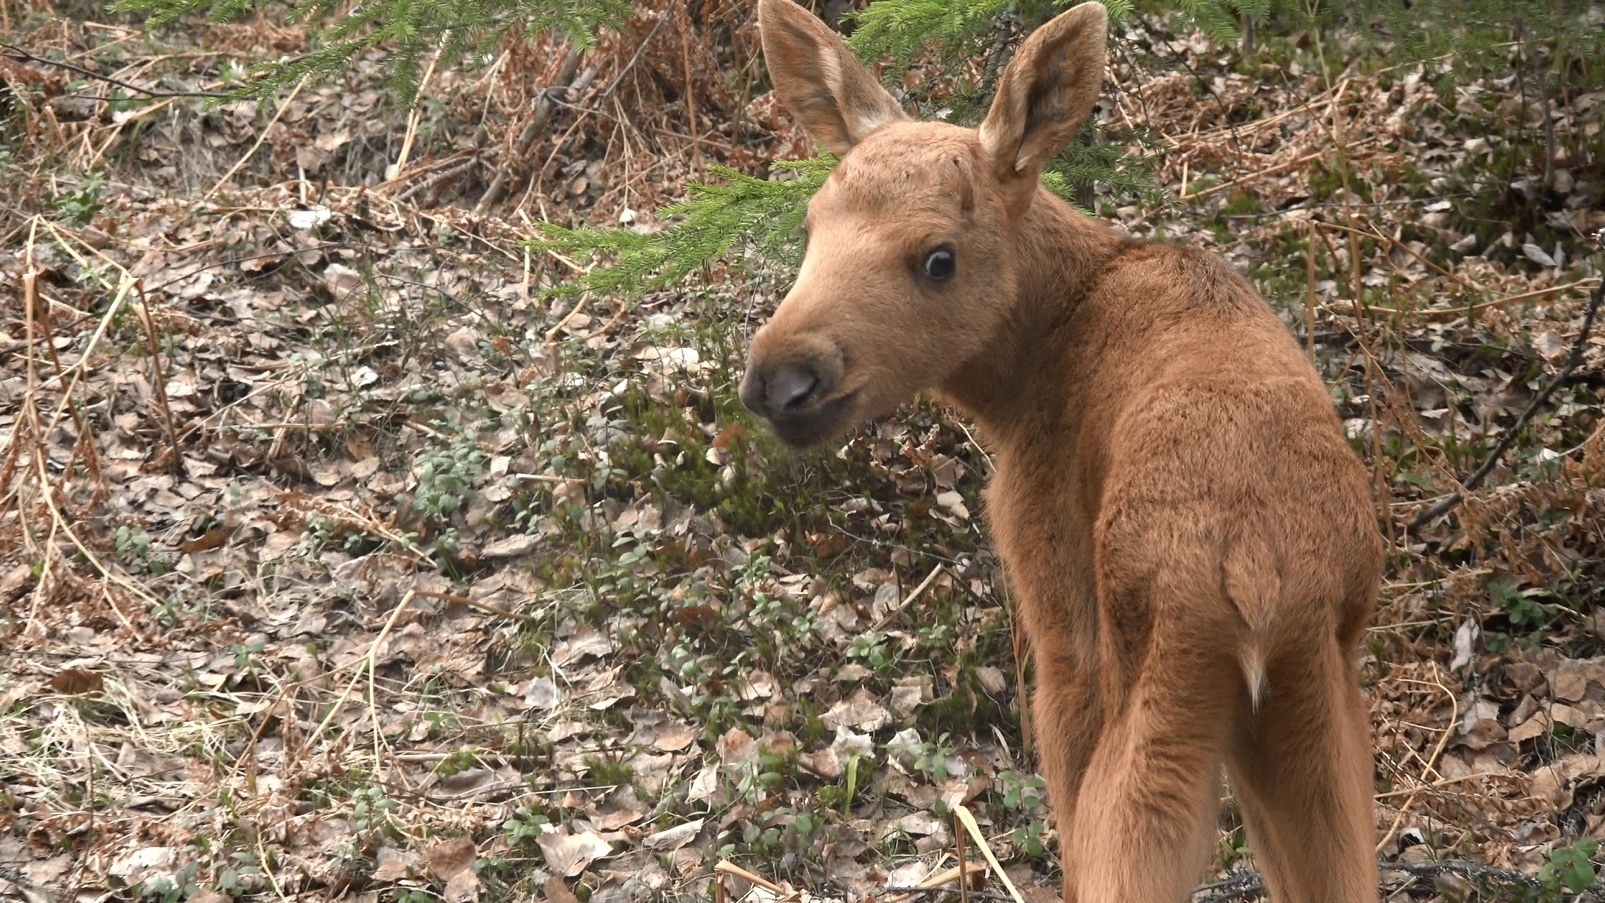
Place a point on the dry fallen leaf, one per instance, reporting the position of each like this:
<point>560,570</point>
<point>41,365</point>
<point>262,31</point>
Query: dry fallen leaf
<point>569,854</point>
<point>15,583</point>
<point>673,838</point>
<point>674,738</point>
<point>453,861</point>
<point>341,280</point>
<point>558,892</point>
<point>541,693</point>
<point>393,864</point>
<point>860,711</point>
<point>76,681</point>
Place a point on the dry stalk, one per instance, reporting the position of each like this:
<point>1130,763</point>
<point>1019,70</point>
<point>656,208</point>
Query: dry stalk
<point>85,443</point>
<point>117,131</point>
<point>485,607</point>
<point>958,853</point>
<point>415,115</point>
<point>551,334</point>
<point>1309,301</point>
<point>367,660</point>
<point>1434,315</point>
<point>1021,645</point>
<point>277,115</point>
<point>1371,231</point>
<point>909,599</point>
<point>962,813</point>
<point>726,867</point>
<point>962,874</point>
<point>1253,176</point>
<point>158,379</point>
<point>346,515</point>
<point>690,93</point>
<point>1431,761</point>
<point>59,523</point>
<point>277,448</point>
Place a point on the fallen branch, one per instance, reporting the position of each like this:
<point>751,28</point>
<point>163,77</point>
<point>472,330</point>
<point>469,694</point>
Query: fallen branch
<point>1539,400</point>
<point>543,107</point>
<point>1249,885</point>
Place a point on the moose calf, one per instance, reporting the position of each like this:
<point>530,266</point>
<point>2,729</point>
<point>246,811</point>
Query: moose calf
<point>1189,535</point>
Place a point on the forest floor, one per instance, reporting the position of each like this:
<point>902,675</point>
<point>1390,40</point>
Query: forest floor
<point>338,561</point>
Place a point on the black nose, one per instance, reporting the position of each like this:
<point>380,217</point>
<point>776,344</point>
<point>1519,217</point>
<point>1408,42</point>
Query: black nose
<point>781,391</point>
<point>789,388</point>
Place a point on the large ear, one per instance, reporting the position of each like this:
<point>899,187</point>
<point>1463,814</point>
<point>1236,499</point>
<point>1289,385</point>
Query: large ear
<point>1046,92</point>
<point>830,92</point>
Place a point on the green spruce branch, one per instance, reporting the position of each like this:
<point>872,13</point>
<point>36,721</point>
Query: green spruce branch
<point>743,212</point>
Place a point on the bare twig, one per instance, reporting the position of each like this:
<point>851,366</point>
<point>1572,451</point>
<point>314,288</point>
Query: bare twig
<point>634,57</point>
<point>1481,473</point>
<point>22,56</point>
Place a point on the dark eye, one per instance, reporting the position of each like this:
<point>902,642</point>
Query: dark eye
<point>940,263</point>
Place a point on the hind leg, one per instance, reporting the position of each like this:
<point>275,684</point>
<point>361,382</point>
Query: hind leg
<point>1146,817</point>
<point>1302,769</point>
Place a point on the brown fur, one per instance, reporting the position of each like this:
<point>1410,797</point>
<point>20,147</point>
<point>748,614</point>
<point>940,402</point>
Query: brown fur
<point>1189,535</point>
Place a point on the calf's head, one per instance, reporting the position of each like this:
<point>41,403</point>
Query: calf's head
<point>911,267</point>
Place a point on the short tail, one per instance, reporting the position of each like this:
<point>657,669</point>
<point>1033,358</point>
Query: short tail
<point>1252,585</point>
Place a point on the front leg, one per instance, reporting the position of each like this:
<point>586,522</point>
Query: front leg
<point>1067,722</point>
<point>1067,717</point>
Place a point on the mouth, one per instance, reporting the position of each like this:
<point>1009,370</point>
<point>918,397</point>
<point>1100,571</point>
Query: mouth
<point>817,424</point>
